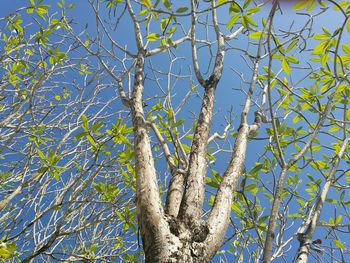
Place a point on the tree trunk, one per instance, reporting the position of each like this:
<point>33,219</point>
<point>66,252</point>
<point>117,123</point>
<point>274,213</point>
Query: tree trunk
<point>182,244</point>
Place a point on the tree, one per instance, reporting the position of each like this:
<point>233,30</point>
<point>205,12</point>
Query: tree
<point>59,198</point>
<point>254,188</point>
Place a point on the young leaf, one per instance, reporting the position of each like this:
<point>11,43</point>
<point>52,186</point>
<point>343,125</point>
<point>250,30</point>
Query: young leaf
<point>285,66</point>
<point>181,10</point>
<point>221,2</point>
<point>146,3</point>
<point>232,20</point>
<point>346,48</point>
<point>338,244</point>
<point>249,20</point>
<point>300,5</point>
<point>255,35</point>
<point>152,37</point>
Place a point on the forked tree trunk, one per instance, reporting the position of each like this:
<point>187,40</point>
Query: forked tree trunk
<point>179,234</point>
<point>180,243</point>
<point>174,250</point>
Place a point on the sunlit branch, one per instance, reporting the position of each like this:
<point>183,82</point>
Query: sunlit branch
<point>306,232</point>
<point>191,206</point>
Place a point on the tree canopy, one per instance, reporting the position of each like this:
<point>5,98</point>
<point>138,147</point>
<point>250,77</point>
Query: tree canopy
<point>175,131</point>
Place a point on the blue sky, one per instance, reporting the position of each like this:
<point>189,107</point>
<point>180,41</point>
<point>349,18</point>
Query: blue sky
<point>227,96</point>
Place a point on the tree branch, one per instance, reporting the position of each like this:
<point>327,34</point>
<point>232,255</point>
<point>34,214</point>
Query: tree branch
<point>220,213</point>
<point>191,206</point>
<point>166,46</point>
<point>221,210</point>
<point>216,135</point>
<point>306,233</point>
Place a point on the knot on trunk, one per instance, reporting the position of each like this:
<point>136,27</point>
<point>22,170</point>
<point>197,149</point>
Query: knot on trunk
<point>302,238</point>
<point>199,231</point>
<point>174,226</point>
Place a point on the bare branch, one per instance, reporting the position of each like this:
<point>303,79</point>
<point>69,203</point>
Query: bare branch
<point>218,136</point>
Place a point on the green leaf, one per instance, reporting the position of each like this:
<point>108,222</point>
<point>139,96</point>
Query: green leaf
<point>296,118</point>
<point>7,250</point>
<point>30,10</point>
<point>253,10</point>
<point>334,129</point>
<point>232,20</point>
<point>257,168</point>
<point>93,247</point>
<point>311,5</point>
<point>338,219</point>
<point>292,59</point>
<point>244,23</point>
<point>348,25</point>
<point>250,187</point>
<point>285,66</point>
<point>234,8</point>
<point>143,12</point>
<point>85,124</point>
<point>249,20</point>
<point>347,115</point>
<point>305,106</point>
<point>338,244</point>
<point>324,59</point>
<point>186,148</point>
<point>41,155</point>
<point>342,195</point>
<point>97,126</point>
<point>181,9</point>
<point>152,37</point>
<point>146,3</point>
<point>4,252</point>
<point>326,31</point>
<point>300,5</point>
<point>178,123</point>
<point>316,148</point>
<point>236,209</point>
<point>212,184</point>
<point>313,89</point>
<point>171,30</point>
<point>91,140</point>
<point>255,35</point>
<point>41,10</point>
<point>346,48</point>
<point>291,45</point>
<point>321,47</point>
<point>246,4</point>
<point>80,135</point>
<point>321,37</point>
<point>167,4</point>
<point>263,219</point>
<point>42,170</point>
